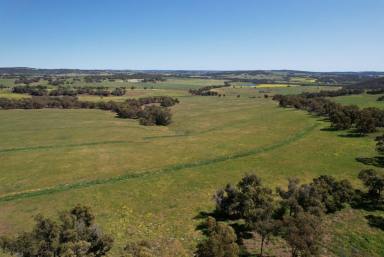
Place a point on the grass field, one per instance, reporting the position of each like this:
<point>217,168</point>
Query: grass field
<point>275,85</point>
<point>363,100</point>
<point>151,182</point>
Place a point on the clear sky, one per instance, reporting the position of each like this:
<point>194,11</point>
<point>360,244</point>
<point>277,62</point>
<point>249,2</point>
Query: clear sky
<point>317,35</point>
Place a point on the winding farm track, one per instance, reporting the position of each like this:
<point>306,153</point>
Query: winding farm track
<point>145,173</point>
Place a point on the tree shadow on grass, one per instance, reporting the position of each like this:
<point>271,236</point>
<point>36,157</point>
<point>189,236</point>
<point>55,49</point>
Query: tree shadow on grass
<point>349,133</point>
<point>352,135</point>
<point>375,221</point>
<point>377,161</point>
<point>202,215</point>
<point>328,129</point>
<point>366,202</point>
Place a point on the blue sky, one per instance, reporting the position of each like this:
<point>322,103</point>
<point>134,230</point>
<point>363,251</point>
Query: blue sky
<point>317,35</point>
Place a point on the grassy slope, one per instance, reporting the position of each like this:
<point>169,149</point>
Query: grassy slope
<point>211,142</point>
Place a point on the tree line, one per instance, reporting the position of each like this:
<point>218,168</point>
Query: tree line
<point>35,90</point>
<point>207,91</point>
<point>41,90</point>
<point>375,91</point>
<point>372,84</point>
<point>24,80</point>
<point>149,110</point>
<point>142,76</point>
<point>364,121</point>
<point>333,93</point>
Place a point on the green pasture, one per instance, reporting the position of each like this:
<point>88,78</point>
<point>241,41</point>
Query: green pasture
<point>151,182</point>
<point>362,100</point>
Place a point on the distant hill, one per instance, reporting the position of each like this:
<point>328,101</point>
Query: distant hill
<point>377,83</point>
<point>36,71</point>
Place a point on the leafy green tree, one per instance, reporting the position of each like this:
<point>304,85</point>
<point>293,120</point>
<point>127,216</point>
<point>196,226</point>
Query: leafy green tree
<point>332,193</point>
<point>366,123</point>
<point>303,234</point>
<point>290,196</point>
<point>324,194</point>
<point>352,111</point>
<point>221,241</point>
<point>75,235</point>
<point>265,226</point>
<point>227,202</point>
<point>340,120</point>
<point>249,201</point>
<point>374,182</point>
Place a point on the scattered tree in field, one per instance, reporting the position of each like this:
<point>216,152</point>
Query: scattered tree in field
<point>75,234</point>
<point>366,123</point>
<point>221,241</point>
<point>374,182</point>
<point>303,233</point>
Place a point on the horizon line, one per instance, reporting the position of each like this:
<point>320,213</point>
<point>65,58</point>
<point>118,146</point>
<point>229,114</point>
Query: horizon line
<point>201,70</point>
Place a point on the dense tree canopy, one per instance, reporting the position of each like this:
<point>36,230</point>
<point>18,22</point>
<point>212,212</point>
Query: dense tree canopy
<point>221,241</point>
<point>74,234</point>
